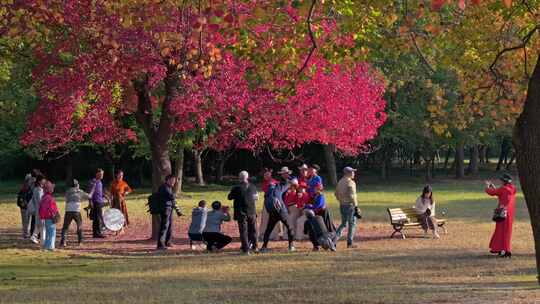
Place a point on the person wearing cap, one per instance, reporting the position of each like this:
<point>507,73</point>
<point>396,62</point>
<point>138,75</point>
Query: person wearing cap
<point>502,237</point>
<point>74,196</point>
<point>425,208</point>
<point>303,177</point>
<point>315,181</point>
<point>346,195</point>
<point>244,196</point>
<point>291,201</point>
<point>277,209</point>
<point>268,181</point>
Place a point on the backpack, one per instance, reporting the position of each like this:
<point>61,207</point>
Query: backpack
<point>23,198</point>
<point>271,202</point>
<point>154,204</point>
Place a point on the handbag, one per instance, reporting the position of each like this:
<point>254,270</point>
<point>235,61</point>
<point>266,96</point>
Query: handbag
<point>500,214</point>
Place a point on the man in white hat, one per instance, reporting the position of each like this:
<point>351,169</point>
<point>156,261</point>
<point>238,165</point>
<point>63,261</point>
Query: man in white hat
<point>346,195</point>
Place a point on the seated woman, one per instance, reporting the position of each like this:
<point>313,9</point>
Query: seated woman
<point>212,232</point>
<point>425,208</point>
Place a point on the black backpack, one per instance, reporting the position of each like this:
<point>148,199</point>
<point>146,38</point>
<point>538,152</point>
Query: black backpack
<point>23,198</point>
<point>154,204</point>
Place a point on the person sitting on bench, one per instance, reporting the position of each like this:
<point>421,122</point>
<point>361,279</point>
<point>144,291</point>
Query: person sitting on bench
<point>425,208</point>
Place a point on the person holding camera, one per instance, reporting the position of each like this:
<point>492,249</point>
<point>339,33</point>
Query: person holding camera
<point>348,204</point>
<point>212,234</point>
<point>168,204</point>
<point>504,215</point>
<point>425,208</point>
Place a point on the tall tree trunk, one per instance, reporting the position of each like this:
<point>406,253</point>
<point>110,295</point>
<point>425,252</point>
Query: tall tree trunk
<point>384,169</point>
<point>429,172</point>
<point>157,133</point>
<point>511,161</point>
<point>179,170</point>
<point>503,156</point>
<point>447,158</point>
<point>68,165</point>
<point>482,155</point>
<point>473,164</point>
<point>199,176</point>
<point>330,163</point>
<point>459,160</point>
<point>527,144</point>
<point>222,160</point>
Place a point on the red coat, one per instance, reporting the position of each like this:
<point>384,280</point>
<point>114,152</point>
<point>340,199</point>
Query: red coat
<point>290,198</point>
<point>47,207</point>
<point>501,239</point>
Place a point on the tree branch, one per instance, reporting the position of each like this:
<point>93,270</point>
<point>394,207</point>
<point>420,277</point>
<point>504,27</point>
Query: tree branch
<point>311,37</point>
<point>421,55</point>
<point>524,41</point>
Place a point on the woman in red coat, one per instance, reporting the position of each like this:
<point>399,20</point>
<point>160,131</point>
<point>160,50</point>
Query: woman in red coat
<point>501,239</point>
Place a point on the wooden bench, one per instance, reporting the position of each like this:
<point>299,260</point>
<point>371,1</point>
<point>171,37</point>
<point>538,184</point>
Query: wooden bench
<point>401,218</point>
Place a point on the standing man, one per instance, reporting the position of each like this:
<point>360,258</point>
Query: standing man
<point>244,197</point>
<point>168,203</point>
<point>315,181</point>
<point>97,201</point>
<point>277,209</point>
<point>346,195</point>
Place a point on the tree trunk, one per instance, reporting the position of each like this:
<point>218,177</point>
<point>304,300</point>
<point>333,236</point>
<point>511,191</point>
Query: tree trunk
<point>157,133</point>
<point>527,144</point>
<point>447,158</point>
<point>459,160</point>
<point>511,161</point>
<point>330,163</point>
<point>68,163</point>
<point>179,170</point>
<point>473,164</point>
<point>384,169</point>
<point>199,176</point>
<point>503,156</point>
<point>429,172</point>
<point>222,160</point>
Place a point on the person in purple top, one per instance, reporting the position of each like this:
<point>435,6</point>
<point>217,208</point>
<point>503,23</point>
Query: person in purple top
<point>315,180</point>
<point>97,201</point>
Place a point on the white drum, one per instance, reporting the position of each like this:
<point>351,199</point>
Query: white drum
<point>113,219</point>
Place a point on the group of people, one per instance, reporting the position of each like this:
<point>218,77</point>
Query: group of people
<point>39,210</point>
<point>298,203</point>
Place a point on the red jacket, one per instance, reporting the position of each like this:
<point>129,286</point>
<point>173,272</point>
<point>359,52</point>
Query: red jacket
<point>302,199</point>
<point>290,198</point>
<point>47,207</point>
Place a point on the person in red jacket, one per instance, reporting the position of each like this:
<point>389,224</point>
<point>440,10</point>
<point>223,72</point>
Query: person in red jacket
<point>47,213</point>
<point>506,194</point>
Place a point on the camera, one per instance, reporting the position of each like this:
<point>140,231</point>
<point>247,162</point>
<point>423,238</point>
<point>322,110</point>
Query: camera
<point>178,211</point>
<point>357,213</point>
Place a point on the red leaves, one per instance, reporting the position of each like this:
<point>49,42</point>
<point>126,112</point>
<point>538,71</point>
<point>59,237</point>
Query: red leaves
<point>437,4</point>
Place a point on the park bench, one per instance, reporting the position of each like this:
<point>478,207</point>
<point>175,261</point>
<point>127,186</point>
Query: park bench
<point>401,218</point>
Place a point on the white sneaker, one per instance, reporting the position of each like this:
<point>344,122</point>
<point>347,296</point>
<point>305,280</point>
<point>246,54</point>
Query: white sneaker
<point>436,235</point>
<point>193,247</point>
<point>34,239</point>
<point>292,249</point>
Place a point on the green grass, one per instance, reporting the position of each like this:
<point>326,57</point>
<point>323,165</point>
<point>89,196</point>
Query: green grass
<point>455,269</point>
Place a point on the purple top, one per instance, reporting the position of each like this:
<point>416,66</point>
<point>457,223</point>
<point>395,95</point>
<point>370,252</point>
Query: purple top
<point>97,194</point>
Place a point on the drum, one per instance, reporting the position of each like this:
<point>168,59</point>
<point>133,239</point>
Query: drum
<point>113,219</point>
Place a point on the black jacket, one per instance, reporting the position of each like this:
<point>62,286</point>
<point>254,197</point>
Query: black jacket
<point>244,197</point>
<point>167,197</point>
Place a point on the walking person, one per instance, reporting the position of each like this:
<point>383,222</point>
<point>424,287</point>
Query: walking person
<point>244,196</point>
<point>97,202</point>
<point>501,241</point>
<point>277,209</point>
<point>23,200</point>
<point>268,181</point>
<point>212,234</point>
<point>119,190</point>
<point>346,196</point>
<point>48,213</point>
<point>74,196</point>
<point>425,208</point>
<point>33,208</point>
<point>168,204</point>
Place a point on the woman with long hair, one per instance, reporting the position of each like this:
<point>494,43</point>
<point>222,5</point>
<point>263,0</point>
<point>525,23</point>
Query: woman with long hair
<point>425,208</point>
<point>501,240</point>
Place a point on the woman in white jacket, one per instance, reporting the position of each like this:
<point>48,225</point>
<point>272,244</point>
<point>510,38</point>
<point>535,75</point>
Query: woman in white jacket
<point>33,208</point>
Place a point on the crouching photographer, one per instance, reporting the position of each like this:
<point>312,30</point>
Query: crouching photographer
<point>212,234</point>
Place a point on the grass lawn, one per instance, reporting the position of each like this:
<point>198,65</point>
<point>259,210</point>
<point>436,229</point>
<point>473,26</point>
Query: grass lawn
<point>125,269</point>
